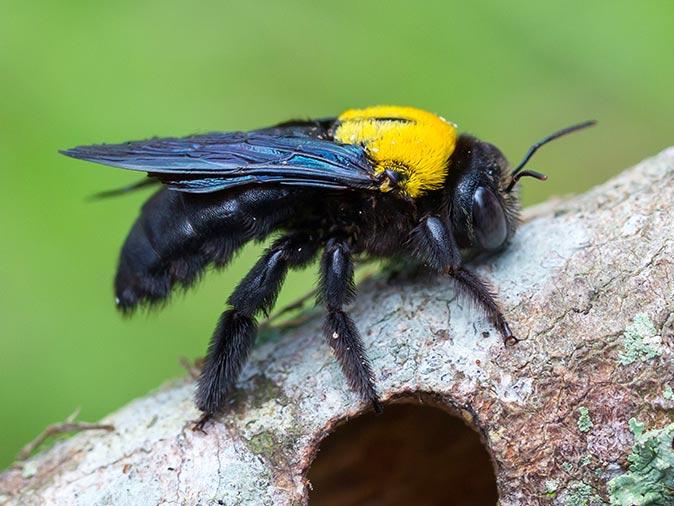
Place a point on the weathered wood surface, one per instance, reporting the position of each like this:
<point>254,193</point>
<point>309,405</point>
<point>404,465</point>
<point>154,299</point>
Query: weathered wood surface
<point>588,284</point>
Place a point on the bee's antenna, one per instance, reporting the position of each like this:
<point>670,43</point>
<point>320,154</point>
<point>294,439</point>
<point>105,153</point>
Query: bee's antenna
<point>517,172</point>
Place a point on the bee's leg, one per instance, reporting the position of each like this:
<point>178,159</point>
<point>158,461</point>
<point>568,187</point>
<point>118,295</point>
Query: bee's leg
<point>433,244</point>
<point>484,297</point>
<point>235,333</point>
<point>336,289</point>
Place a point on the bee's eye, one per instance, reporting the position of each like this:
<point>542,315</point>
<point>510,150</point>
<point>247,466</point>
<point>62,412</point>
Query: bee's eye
<point>489,221</point>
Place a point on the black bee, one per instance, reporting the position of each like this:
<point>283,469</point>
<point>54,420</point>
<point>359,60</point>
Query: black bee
<point>381,182</point>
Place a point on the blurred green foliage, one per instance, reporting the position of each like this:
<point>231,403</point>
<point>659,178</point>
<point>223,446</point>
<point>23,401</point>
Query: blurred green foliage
<point>77,72</point>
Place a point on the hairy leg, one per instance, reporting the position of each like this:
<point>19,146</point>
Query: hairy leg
<point>337,289</point>
<point>480,293</point>
<point>432,242</point>
<point>235,333</point>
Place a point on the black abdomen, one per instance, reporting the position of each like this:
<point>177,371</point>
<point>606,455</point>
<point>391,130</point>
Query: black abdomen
<point>177,235</point>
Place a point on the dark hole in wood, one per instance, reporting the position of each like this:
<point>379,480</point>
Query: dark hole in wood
<point>410,455</point>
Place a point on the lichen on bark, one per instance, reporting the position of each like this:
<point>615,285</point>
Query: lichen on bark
<point>649,480</point>
<point>584,421</point>
<point>642,341</point>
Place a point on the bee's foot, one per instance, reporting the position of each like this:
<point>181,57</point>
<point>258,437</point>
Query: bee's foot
<point>201,423</point>
<point>509,338</point>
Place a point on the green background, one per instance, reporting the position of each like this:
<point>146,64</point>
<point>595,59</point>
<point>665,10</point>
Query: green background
<point>76,72</point>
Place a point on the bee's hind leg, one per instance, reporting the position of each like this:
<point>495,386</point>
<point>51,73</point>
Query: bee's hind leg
<point>235,333</point>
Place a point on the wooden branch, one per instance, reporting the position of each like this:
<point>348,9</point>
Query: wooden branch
<point>588,286</point>
<point>70,425</point>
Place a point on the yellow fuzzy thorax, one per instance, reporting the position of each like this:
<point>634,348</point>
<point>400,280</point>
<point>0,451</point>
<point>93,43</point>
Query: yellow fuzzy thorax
<point>414,143</point>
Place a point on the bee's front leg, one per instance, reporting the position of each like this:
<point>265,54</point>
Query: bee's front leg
<point>432,243</point>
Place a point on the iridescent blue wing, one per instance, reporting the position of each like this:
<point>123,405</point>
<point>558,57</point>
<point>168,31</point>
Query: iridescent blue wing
<point>218,161</point>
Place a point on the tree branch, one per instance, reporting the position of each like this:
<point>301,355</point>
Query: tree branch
<point>587,284</point>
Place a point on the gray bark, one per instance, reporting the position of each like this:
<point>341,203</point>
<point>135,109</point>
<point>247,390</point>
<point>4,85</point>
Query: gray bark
<point>587,284</point>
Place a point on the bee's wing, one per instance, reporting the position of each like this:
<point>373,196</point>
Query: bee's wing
<point>217,161</point>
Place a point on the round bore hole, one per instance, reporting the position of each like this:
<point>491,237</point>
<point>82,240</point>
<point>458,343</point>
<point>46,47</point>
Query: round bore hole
<point>411,454</point>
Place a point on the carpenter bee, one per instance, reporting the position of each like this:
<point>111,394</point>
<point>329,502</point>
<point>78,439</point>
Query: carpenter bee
<point>380,182</point>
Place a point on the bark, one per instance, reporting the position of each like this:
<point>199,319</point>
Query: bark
<point>587,284</point>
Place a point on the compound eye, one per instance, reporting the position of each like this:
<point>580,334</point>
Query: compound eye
<point>489,221</point>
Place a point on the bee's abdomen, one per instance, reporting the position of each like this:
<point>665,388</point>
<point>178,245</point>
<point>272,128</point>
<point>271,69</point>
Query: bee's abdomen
<point>178,235</point>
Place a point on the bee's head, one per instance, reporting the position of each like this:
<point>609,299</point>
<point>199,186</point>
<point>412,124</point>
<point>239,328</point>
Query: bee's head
<point>483,191</point>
